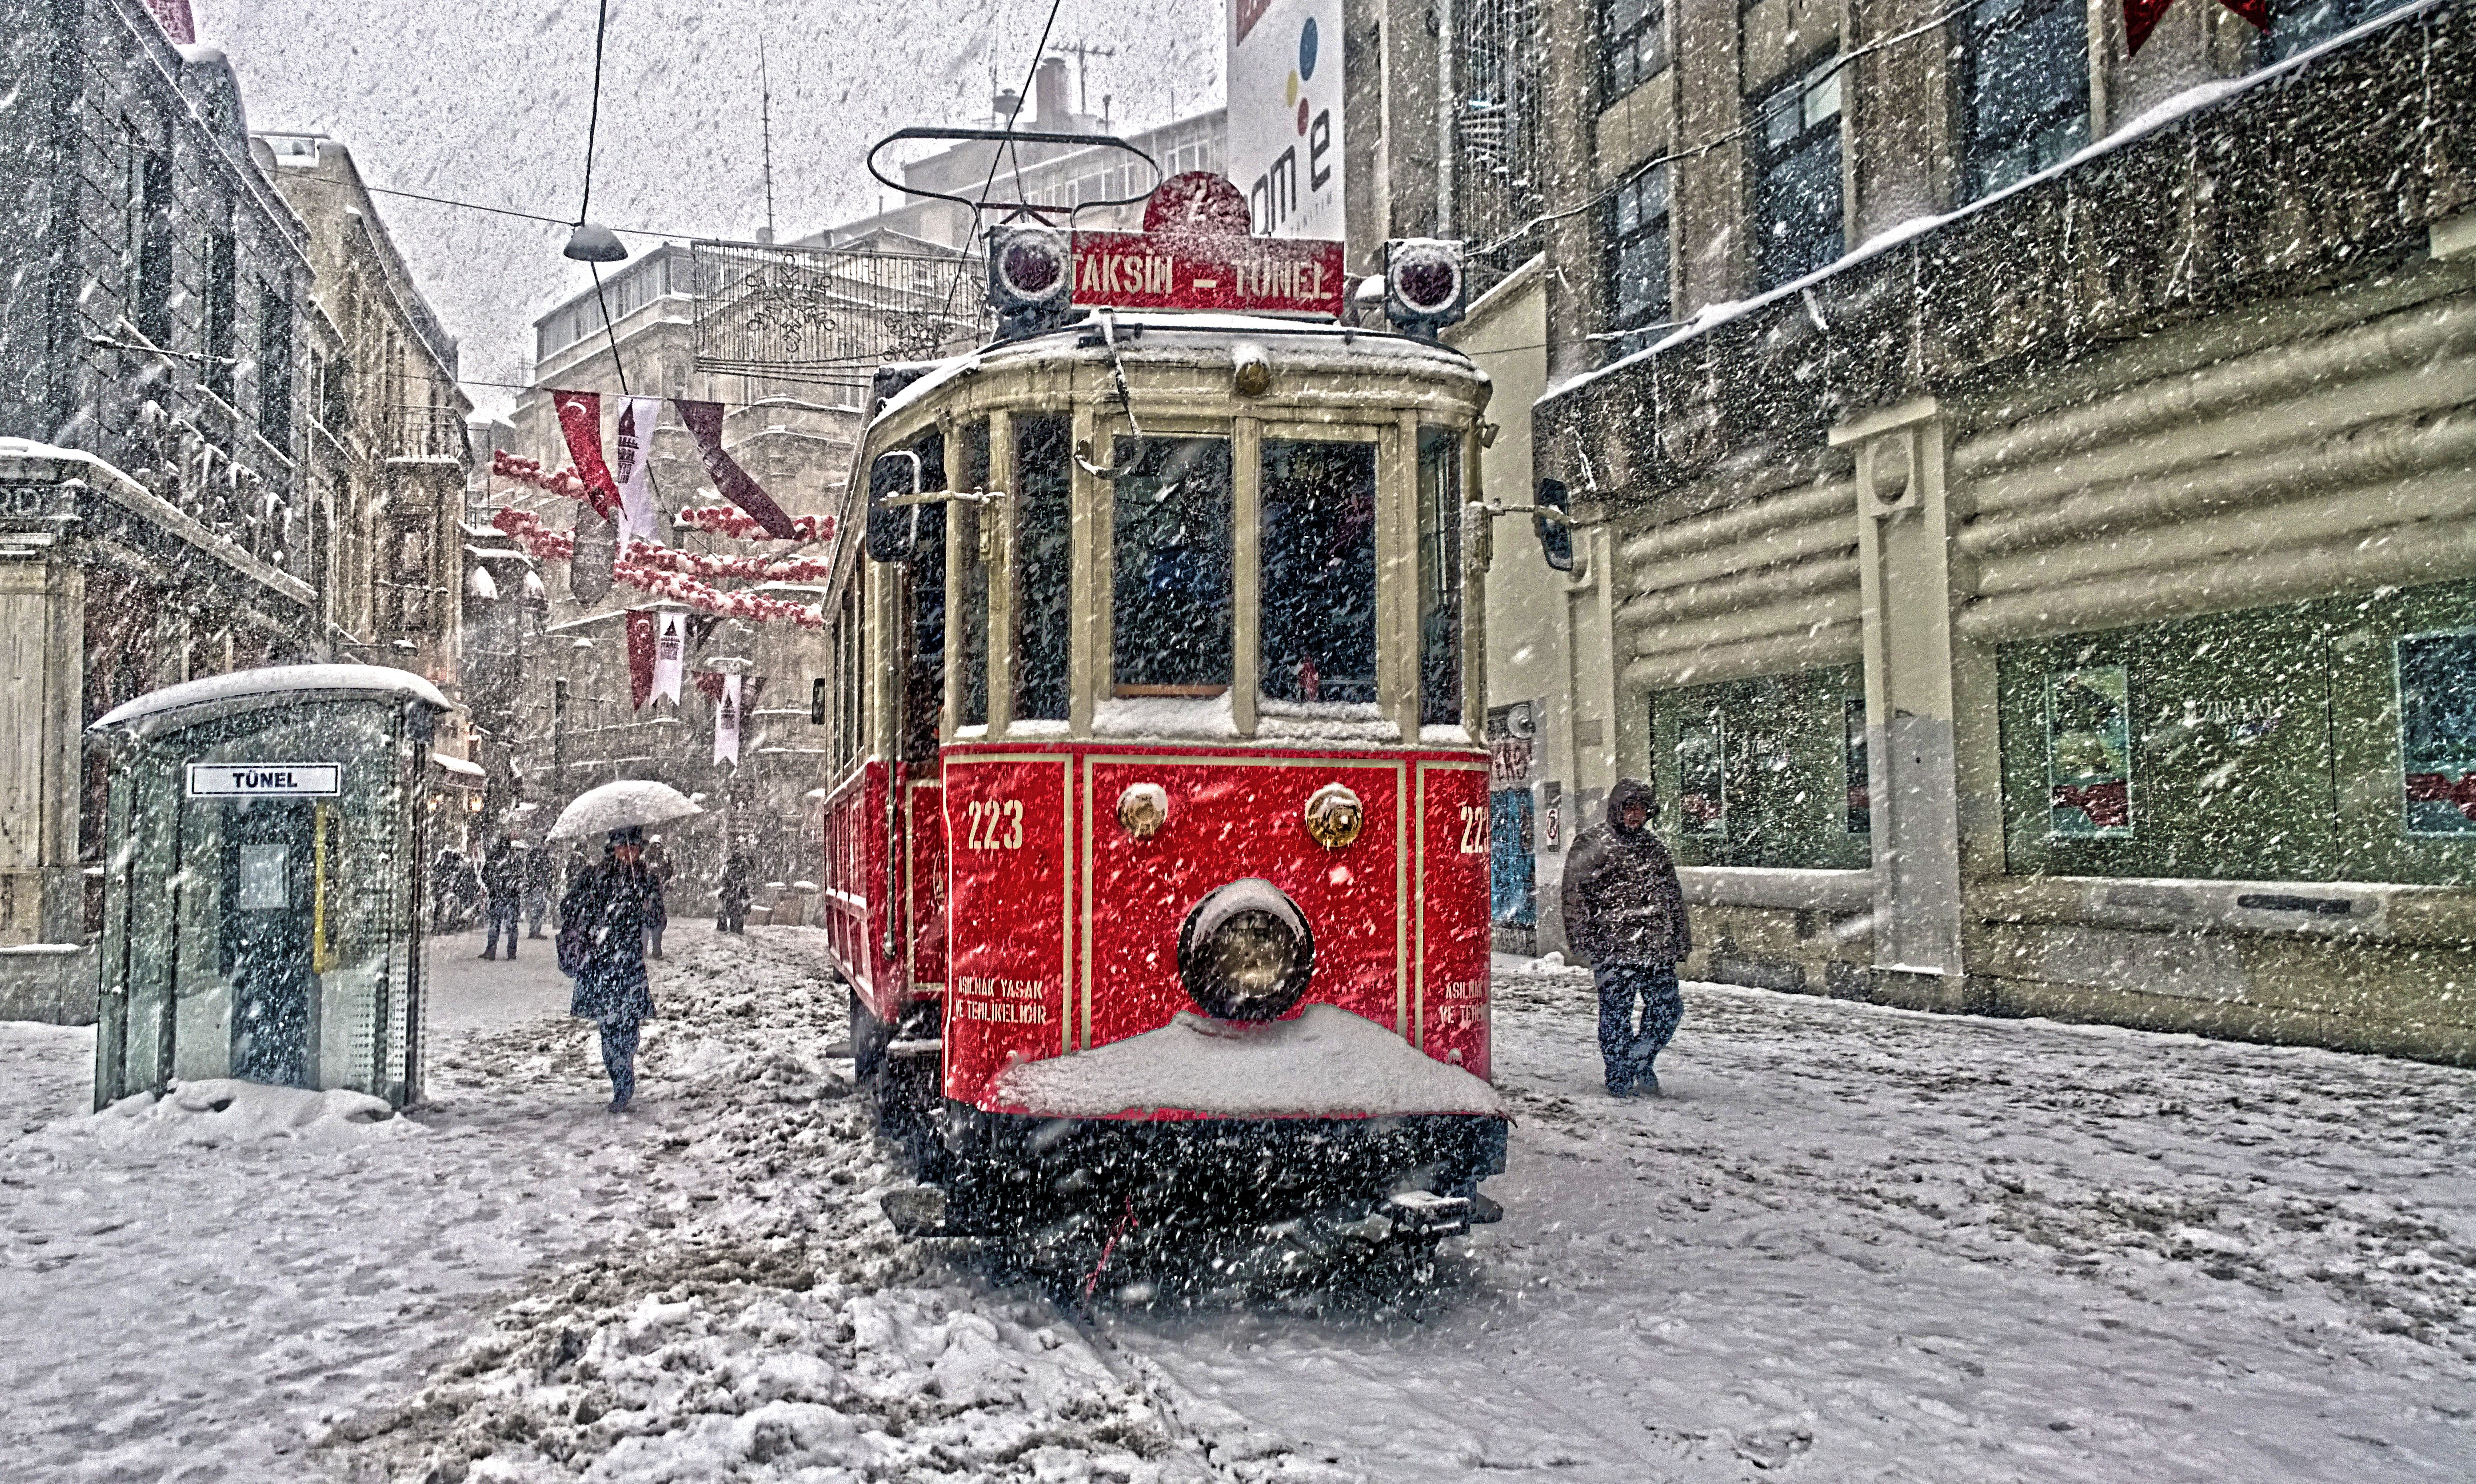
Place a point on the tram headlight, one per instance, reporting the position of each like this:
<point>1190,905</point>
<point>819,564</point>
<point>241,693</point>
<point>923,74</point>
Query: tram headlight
<point>1245,952</point>
<point>1031,277</point>
<point>1423,284</point>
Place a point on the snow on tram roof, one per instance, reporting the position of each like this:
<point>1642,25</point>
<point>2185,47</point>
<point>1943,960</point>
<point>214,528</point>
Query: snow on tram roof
<point>1136,328</point>
<point>276,684</point>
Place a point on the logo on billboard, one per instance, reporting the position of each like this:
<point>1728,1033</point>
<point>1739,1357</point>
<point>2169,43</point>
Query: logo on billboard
<point>1285,114</point>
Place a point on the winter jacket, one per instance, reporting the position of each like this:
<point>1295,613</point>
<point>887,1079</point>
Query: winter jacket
<point>538,870</point>
<point>502,874</point>
<point>614,904</point>
<point>1622,903</point>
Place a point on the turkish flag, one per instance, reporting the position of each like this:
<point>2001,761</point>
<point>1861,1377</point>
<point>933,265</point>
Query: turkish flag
<point>579,422</point>
<point>2140,17</point>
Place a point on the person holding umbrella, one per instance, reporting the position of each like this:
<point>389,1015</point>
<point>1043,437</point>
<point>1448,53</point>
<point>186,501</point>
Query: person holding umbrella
<point>602,924</point>
<point>604,915</point>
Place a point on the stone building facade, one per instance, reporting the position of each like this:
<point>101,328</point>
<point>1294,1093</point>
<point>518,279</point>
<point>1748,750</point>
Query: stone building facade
<point>2031,491</point>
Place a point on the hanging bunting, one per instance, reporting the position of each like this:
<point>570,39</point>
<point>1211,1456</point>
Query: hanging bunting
<point>2140,17</point>
<point>640,657</point>
<point>635,445</point>
<point>670,653</point>
<point>705,421</point>
<point>579,422</point>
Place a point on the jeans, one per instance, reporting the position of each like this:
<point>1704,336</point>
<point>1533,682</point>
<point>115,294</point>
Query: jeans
<point>503,914</point>
<point>619,1059</point>
<point>537,909</point>
<point>1626,1049</point>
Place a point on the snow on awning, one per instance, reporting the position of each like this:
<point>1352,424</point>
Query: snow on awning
<point>458,765</point>
<point>274,685</point>
<point>1326,1063</point>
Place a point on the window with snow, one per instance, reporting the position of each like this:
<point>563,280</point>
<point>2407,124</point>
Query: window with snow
<point>1170,605</point>
<point>971,622</point>
<point>1795,154</point>
<point>2023,89</point>
<point>2437,682</point>
<point>1638,259</point>
<point>2300,25</point>
<point>1633,45</point>
<point>1319,571</point>
<point>1044,546</point>
<point>275,367</point>
<point>1440,577</point>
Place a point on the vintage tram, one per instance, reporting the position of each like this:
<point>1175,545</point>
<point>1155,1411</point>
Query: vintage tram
<point>1156,826</point>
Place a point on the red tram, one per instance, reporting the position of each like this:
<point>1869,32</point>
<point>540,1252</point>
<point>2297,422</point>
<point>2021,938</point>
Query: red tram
<point>1157,832</point>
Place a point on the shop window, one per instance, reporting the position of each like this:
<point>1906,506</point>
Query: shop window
<point>1633,45</point>
<point>1440,577</point>
<point>1795,151</point>
<point>2300,25</point>
<point>1171,599</point>
<point>1044,545</point>
<point>1638,259</point>
<point>2089,754</point>
<point>2330,740</point>
<point>1319,571</point>
<point>2437,686</point>
<point>2023,89</point>
<point>1765,772</point>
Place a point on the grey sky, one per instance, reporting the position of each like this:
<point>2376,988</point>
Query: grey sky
<point>489,103</point>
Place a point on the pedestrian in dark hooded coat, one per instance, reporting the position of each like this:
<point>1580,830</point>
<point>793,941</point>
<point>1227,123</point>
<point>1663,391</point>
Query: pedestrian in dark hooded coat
<point>602,924</point>
<point>502,883</point>
<point>1625,913</point>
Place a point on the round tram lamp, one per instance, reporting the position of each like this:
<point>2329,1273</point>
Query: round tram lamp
<point>1246,953</point>
<point>1031,275</point>
<point>1424,288</point>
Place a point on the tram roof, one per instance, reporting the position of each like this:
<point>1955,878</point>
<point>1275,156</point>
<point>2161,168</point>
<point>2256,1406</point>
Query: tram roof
<point>1172,335</point>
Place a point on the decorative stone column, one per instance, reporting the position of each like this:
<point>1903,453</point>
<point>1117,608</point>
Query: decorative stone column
<point>1903,534</point>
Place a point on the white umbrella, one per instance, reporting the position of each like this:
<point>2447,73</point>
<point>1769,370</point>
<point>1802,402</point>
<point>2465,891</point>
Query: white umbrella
<point>618,806</point>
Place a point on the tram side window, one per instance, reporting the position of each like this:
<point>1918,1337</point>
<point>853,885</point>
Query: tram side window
<point>1043,540</point>
<point>924,606</point>
<point>1440,577</point>
<point>1171,609</point>
<point>971,687</point>
<point>1319,575</point>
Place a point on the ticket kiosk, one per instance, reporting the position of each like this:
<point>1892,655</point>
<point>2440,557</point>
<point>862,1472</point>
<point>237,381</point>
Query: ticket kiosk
<point>263,890</point>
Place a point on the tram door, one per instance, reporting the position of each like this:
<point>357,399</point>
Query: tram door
<point>268,938</point>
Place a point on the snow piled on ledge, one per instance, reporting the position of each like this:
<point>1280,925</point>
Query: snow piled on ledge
<point>219,1111</point>
<point>1324,1063</point>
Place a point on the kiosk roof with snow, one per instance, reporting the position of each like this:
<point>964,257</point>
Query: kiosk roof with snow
<point>262,881</point>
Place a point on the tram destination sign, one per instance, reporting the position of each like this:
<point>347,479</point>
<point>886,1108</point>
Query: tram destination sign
<point>265,780</point>
<point>1163,270</point>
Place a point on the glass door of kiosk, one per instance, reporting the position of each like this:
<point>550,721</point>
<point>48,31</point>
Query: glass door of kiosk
<point>269,865</point>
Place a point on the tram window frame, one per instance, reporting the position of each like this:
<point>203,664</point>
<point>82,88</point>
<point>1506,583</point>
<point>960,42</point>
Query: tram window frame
<point>1042,596</point>
<point>1140,665</point>
<point>970,567</point>
<point>924,611</point>
<point>1441,596</point>
<point>1289,674</point>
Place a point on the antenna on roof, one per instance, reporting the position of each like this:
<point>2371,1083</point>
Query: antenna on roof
<point>765,123</point>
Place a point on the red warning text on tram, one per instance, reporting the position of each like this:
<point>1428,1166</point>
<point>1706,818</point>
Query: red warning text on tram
<point>1145,270</point>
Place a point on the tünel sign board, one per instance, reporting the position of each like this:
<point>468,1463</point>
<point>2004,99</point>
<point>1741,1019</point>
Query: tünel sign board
<point>1147,270</point>
<point>265,780</point>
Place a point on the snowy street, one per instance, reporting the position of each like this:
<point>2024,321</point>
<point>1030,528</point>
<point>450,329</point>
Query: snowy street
<point>1850,1243</point>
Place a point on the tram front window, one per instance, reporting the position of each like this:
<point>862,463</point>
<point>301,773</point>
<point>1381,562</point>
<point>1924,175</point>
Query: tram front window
<point>1319,571</point>
<point>1171,610</point>
<point>1440,577</point>
<point>972,617</point>
<point>1044,567</point>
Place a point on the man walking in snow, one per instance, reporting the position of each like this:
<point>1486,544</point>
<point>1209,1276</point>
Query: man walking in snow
<point>539,869</point>
<point>502,883</point>
<point>1625,913</point>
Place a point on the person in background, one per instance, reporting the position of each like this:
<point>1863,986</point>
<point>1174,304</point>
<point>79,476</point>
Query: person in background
<point>603,922</point>
<point>538,870</point>
<point>503,886</point>
<point>1625,913</point>
<point>731,897</point>
<point>658,861</point>
<point>445,871</point>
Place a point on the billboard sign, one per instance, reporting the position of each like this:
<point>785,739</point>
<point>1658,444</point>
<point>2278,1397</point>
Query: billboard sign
<point>1285,114</point>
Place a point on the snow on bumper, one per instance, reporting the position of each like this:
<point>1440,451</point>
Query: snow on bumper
<point>1324,1063</point>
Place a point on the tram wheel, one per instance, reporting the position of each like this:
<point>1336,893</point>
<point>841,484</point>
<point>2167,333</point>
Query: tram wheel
<point>868,1038</point>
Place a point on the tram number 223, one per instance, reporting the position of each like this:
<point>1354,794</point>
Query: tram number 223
<point>993,825</point>
<point>1474,829</point>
